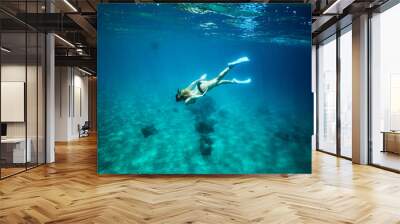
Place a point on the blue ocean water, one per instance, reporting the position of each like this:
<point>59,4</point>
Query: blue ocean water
<point>147,51</point>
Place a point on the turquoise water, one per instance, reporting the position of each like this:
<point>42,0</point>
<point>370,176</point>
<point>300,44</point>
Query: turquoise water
<point>147,51</point>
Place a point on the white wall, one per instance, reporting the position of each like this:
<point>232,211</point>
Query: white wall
<point>80,103</point>
<point>17,73</point>
<point>71,102</point>
<point>33,127</point>
<point>62,82</point>
<point>9,73</point>
<point>314,91</point>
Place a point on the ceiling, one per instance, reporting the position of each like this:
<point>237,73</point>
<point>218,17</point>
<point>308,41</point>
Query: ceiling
<point>75,22</point>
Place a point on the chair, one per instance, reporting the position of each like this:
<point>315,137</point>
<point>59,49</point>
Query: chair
<point>84,130</point>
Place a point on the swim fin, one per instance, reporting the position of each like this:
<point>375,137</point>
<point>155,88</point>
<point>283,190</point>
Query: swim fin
<point>204,76</point>
<point>238,61</point>
<point>242,81</point>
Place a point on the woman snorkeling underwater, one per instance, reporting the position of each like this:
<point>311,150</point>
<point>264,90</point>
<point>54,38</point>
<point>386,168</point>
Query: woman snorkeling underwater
<point>201,86</point>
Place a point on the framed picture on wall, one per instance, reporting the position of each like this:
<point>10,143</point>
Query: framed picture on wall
<point>207,88</point>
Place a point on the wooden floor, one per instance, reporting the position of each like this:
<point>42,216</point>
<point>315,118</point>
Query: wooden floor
<point>387,159</point>
<point>5,172</point>
<point>70,191</point>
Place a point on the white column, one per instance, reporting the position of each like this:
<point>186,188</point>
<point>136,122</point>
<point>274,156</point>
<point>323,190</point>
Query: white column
<point>360,90</point>
<point>50,92</point>
<point>50,99</point>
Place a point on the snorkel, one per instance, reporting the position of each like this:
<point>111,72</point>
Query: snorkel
<point>178,96</point>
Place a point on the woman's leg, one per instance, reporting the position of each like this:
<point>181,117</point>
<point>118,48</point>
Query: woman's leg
<point>222,74</point>
<point>230,66</point>
<point>234,81</point>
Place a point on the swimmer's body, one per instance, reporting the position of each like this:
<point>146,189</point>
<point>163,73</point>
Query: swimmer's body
<point>201,86</point>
